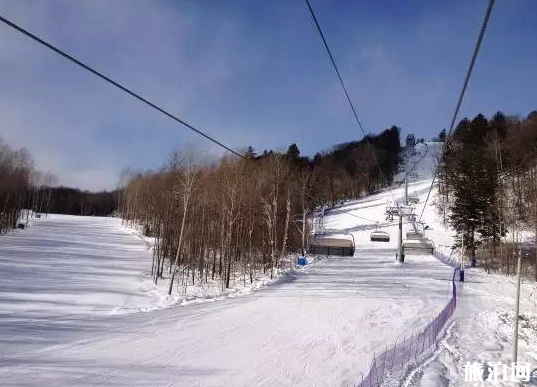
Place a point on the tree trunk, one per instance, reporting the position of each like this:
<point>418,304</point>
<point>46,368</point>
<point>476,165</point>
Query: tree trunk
<point>177,253</point>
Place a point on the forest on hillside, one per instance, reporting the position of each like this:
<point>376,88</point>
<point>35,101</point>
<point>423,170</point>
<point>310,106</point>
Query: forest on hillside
<point>21,186</point>
<point>488,189</point>
<point>241,216</point>
<point>73,201</point>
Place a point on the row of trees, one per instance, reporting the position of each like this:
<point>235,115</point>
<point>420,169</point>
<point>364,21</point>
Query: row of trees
<point>73,201</point>
<point>20,186</point>
<point>488,182</point>
<point>350,170</point>
<point>234,218</point>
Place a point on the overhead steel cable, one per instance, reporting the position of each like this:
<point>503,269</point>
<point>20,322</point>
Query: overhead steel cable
<point>116,84</point>
<point>477,46</point>
<point>471,67</point>
<point>383,177</point>
<point>360,217</point>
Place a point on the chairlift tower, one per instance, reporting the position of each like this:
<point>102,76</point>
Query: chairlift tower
<point>400,211</point>
<point>409,175</point>
<point>406,190</point>
<point>400,255</point>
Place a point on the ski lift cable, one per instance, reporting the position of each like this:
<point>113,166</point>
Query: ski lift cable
<point>325,43</point>
<point>346,213</point>
<point>415,164</point>
<point>349,100</point>
<point>361,217</point>
<point>116,84</point>
<point>462,93</point>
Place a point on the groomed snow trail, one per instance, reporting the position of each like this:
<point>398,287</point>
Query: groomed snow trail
<point>318,329</point>
<point>63,268</point>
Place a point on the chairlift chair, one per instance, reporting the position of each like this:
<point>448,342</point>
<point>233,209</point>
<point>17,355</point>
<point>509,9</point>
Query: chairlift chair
<point>379,236</point>
<point>392,210</point>
<point>414,235</point>
<point>413,199</point>
<point>418,247</point>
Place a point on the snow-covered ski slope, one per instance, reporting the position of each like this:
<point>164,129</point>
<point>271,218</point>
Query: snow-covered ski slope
<point>320,327</point>
<point>62,269</point>
<point>363,216</point>
<point>88,265</point>
<point>66,277</point>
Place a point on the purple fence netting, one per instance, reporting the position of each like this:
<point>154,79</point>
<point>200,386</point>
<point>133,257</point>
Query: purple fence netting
<point>409,350</point>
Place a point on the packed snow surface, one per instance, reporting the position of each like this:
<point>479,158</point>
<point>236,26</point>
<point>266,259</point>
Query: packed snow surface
<point>65,281</point>
<point>74,264</point>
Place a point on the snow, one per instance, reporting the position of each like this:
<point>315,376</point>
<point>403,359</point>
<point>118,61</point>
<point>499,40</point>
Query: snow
<point>78,308</point>
<point>87,256</point>
<point>210,291</point>
<point>65,268</point>
<point>318,327</point>
<point>483,329</point>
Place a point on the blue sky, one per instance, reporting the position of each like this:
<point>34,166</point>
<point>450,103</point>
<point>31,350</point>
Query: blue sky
<point>249,73</point>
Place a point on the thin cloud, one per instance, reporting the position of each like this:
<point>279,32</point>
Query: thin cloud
<point>248,74</point>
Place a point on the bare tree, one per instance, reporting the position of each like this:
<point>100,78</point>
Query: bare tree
<point>185,169</point>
